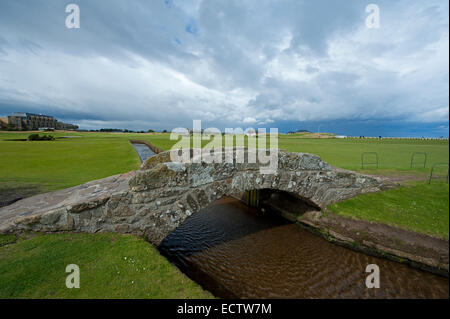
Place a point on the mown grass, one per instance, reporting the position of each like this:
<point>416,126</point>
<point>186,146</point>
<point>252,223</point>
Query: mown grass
<point>65,162</point>
<point>419,207</point>
<point>111,266</point>
<point>394,155</point>
<point>7,239</point>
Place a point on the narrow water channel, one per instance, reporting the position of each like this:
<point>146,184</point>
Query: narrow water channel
<point>236,252</point>
<point>143,151</point>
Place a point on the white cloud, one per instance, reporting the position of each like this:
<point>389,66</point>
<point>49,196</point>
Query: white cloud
<point>249,120</point>
<point>255,62</point>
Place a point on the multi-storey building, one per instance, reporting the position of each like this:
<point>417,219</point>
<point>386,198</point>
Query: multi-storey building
<point>29,121</point>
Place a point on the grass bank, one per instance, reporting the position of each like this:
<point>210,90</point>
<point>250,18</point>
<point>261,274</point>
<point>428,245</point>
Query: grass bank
<point>418,207</point>
<point>111,266</point>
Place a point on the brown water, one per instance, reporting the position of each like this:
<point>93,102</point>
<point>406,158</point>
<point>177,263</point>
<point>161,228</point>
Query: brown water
<point>236,252</point>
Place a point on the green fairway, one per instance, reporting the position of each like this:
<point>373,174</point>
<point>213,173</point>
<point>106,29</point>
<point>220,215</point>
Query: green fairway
<point>65,162</point>
<point>111,266</point>
<point>393,154</point>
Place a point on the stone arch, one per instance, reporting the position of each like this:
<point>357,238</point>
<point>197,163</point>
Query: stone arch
<point>158,198</point>
<point>185,188</point>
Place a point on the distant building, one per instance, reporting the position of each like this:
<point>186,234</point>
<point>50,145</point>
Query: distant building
<point>66,126</point>
<point>30,122</point>
<point>3,123</point>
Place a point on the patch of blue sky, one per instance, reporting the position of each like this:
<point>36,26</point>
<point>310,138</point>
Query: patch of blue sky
<point>191,27</point>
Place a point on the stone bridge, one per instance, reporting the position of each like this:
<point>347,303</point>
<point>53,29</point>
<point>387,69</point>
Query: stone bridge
<point>156,199</point>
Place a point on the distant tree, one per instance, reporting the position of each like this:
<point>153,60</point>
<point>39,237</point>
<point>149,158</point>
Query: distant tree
<point>33,137</point>
<point>164,131</point>
<point>151,131</point>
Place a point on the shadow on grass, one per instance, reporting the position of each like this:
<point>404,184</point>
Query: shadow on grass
<point>10,194</point>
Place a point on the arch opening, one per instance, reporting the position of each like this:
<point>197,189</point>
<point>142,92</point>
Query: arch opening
<point>278,207</point>
<point>230,234</point>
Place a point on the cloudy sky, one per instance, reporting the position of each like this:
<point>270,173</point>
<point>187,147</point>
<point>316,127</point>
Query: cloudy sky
<point>291,64</point>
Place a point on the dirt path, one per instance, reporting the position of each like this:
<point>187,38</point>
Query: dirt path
<point>404,179</point>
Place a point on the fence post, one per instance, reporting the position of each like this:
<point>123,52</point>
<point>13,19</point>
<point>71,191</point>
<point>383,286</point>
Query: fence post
<point>432,170</point>
<point>418,153</point>
<point>369,163</point>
